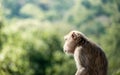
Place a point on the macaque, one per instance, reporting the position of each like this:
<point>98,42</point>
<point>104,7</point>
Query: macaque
<point>89,57</point>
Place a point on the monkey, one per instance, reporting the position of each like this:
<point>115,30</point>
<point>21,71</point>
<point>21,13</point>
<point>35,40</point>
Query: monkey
<point>90,59</point>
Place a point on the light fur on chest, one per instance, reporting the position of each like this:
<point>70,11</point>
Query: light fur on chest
<point>77,57</point>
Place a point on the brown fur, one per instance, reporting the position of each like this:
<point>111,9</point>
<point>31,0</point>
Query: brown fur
<point>89,57</point>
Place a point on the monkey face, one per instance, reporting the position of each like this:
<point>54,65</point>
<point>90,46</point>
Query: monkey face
<point>72,40</point>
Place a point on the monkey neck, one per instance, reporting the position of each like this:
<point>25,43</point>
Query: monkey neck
<point>77,53</point>
<point>77,57</point>
<point>86,42</point>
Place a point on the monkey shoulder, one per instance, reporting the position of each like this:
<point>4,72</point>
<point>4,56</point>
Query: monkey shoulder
<point>92,53</point>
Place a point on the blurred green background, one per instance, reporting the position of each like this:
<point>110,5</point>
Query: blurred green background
<point>31,34</point>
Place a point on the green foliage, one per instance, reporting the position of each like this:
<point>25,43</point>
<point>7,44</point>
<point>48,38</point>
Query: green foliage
<point>111,45</point>
<point>26,11</point>
<point>32,31</point>
<point>38,52</point>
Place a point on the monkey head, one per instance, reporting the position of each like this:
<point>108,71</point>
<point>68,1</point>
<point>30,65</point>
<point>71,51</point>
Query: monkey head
<point>72,40</point>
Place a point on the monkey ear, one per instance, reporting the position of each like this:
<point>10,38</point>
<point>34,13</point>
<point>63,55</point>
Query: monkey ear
<point>74,36</point>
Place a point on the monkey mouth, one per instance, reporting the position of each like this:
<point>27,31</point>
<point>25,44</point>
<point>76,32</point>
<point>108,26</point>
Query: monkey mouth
<point>68,52</point>
<point>65,51</point>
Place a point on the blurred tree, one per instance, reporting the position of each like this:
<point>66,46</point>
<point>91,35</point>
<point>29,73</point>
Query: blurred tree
<point>111,46</point>
<point>12,8</point>
<point>38,52</point>
<point>26,11</point>
<point>111,41</point>
<point>2,38</point>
